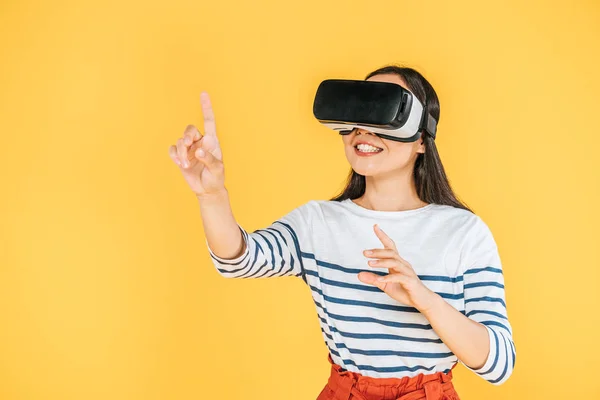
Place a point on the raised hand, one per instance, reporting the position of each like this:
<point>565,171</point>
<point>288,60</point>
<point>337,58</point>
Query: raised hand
<point>402,283</point>
<point>199,157</point>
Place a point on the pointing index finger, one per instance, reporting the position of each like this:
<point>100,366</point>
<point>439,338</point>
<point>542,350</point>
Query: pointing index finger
<point>210,128</point>
<point>384,238</point>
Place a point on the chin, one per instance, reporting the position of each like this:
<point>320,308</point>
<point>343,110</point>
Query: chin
<point>365,170</point>
<point>375,170</point>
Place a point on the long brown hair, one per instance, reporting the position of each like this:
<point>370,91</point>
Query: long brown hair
<point>430,178</point>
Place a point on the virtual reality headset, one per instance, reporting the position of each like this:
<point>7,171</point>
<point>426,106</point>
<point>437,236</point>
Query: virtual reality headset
<point>386,109</point>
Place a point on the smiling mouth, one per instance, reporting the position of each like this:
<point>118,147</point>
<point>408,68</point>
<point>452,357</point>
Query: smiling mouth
<point>367,148</point>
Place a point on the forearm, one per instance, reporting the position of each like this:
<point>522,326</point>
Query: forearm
<point>468,339</point>
<point>220,227</point>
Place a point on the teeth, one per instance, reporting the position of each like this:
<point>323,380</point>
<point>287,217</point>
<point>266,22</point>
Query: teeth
<point>367,148</point>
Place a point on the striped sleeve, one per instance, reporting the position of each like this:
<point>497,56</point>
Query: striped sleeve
<point>271,252</point>
<point>485,302</point>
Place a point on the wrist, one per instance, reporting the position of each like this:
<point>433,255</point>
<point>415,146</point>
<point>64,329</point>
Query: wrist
<point>433,302</point>
<point>218,196</point>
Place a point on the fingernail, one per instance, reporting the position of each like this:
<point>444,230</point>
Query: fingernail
<point>200,153</point>
<point>368,252</point>
<point>373,262</point>
<point>381,279</point>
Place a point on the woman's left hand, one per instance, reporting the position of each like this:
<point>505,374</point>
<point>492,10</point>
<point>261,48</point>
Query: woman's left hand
<point>402,283</point>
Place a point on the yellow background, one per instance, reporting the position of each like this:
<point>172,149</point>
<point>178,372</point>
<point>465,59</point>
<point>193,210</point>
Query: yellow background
<point>106,287</point>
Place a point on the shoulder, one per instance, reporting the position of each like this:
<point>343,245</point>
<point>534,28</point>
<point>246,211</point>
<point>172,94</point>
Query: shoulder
<point>465,224</point>
<point>321,207</point>
<point>316,210</point>
<point>472,240</point>
<point>458,218</point>
<point>312,209</point>
<point>320,212</point>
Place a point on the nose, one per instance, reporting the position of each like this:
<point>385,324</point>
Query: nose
<point>361,131</point>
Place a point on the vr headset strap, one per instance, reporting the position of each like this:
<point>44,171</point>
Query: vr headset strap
<point>428,123</point>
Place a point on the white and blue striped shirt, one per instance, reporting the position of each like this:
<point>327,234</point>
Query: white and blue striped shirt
<point>366,331</point>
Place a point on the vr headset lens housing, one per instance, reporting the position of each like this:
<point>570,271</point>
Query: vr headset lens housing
<point>386,109</point>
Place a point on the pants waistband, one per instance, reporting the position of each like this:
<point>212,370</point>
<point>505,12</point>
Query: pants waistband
<point>350,385</point>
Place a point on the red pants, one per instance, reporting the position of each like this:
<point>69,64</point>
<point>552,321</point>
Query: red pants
<point>346,385</point>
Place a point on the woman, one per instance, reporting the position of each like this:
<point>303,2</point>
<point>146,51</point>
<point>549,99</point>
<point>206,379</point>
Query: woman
<point>407,281</point>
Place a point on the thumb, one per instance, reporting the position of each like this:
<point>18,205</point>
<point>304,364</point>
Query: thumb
<point>371,279</point>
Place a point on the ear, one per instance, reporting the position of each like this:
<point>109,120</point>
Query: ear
<point>421,145</point>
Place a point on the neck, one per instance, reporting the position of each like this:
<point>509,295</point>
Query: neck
<point>396,192</point>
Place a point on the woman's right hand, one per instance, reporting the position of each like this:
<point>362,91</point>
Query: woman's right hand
<point>199,157</point>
